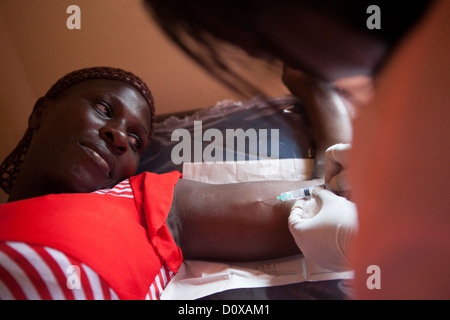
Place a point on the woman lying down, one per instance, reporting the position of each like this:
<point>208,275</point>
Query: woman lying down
<point>80,225</point>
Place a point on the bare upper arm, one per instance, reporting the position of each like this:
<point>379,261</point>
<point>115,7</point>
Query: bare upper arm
<point>241,221</point>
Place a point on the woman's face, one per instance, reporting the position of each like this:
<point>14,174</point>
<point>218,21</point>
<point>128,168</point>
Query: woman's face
<point>89,138</point>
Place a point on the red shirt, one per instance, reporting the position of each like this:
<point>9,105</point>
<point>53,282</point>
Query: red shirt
<point>400,170</point>
<point>119,234</point>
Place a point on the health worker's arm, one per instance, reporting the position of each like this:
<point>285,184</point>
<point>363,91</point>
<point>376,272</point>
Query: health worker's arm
<point>245,221</point>
<point>330,119</point>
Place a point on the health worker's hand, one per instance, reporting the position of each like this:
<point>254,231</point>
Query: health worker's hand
<point>324,227</point>
<point>336,164</point>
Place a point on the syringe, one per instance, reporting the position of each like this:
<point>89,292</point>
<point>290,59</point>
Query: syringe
<point>297,193</point>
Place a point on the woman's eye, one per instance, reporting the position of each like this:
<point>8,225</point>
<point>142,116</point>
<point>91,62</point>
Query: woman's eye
<point>104,109</point>
<point>135,141</point>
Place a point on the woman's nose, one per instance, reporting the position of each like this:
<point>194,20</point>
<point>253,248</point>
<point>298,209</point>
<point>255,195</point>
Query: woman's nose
<point>115,135</point>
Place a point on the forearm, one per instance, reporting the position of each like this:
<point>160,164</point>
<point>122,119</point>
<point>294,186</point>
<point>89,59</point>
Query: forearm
<point>330,120</point>
<point>329,117</point>
<point>236,222</point>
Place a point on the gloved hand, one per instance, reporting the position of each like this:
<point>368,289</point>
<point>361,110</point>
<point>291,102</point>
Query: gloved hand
<point>336,163</point>
<point>324,227</point>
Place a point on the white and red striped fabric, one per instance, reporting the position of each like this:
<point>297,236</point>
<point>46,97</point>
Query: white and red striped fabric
<point>122,189</point>
<point>36,272</point>
<point>159,284</point>
<point>41,273</point>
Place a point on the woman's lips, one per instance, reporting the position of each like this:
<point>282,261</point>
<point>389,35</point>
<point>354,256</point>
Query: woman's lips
<point>99,159</point>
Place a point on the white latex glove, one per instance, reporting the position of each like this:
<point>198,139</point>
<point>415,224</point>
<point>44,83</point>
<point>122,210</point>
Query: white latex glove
<point>336,164</point>
<point>323,228</point>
